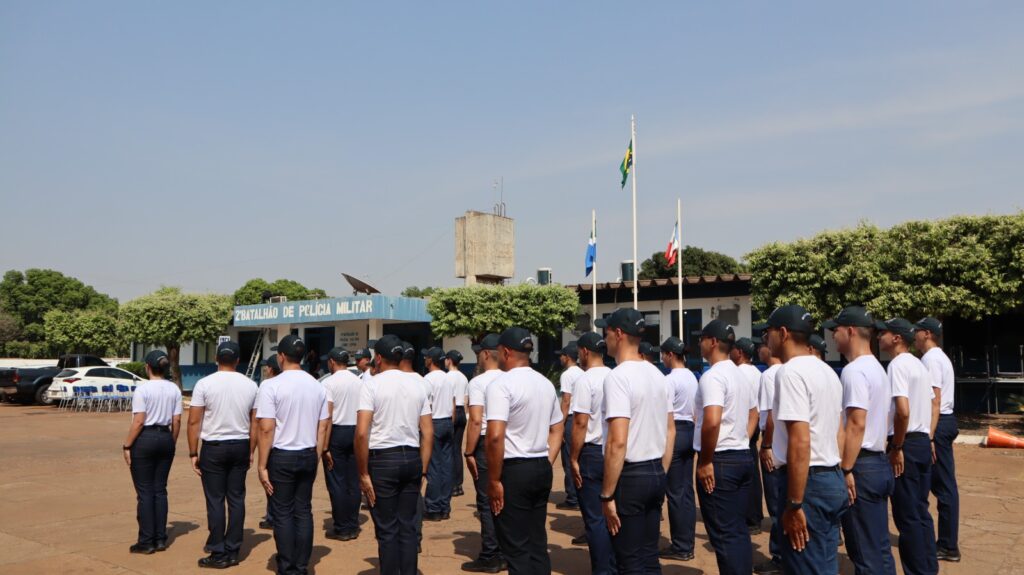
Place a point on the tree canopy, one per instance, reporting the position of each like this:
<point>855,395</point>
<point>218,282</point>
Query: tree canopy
<point>965,266</point>
<point>413,291</point>
<point>477,310</point>
<point>252,292</point>
<point>695,261</point>
<point>82,331</point>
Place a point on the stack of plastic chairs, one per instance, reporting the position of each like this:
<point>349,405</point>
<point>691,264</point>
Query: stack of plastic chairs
<point>124,398</point>
<point>106,398</point>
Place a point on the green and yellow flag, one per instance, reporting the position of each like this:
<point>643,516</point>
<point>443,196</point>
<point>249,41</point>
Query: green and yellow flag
<point>627,163</point>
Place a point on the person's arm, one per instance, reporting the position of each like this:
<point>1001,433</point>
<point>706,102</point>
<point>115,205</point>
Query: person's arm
<point>138,420</point>
<point>900,422</point>
<point>708,442</point>
<point>767,458</point>
<point>361,445</point>
<point>578,436</point>
<point>614,459</point>
<point>195,427</point>
<point>253,434</point>
<point>556,434</point>
<point>175,427</point>
<point>752,420</point>
<point>798,460</point>
<point>855,418</point>
<point>323,437</point>
<point>426,447</point>
<point>267,429</point>
<point>670,442</point>
<point>566,400</point>
<point>476,417</point>
<point>935,410</point>
<point>494,443</point>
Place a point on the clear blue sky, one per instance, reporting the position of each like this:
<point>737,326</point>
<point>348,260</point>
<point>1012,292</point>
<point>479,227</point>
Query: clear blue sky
<point>204,143</point>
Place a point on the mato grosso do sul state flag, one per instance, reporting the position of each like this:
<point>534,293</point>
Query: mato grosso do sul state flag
<point>591,256</point>
<point>627,163</point>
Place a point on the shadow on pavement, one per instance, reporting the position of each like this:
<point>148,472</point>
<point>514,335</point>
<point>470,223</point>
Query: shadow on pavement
<point>250,540</point>
<point>178,528</point>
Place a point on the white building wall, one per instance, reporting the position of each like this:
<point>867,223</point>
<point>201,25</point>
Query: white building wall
<point>709,310</point>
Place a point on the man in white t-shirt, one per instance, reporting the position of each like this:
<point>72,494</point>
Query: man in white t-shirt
<point>223,413</point>
<point>743,354</point>
<point>343,388</point>
<point>725,407</point>
<point>406,367</point>
<point>807,409</point>
<point>586,452</point>
<point>639,437</point>
<point>490,559</point>
<point>928,340</point>
<point>437,500</point>
<point>524,434</point>
<point>913,417</point>
<point>392,417</point>
<point>460,387</point>
<point>682,508</point>
<point>364,363</point>
<point>869,481</point>
<point>770,476</point>
<point>568,356</point>
<point>293,425</point>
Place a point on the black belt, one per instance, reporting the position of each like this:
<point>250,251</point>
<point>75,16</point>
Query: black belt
<point>396,449</point>
<point>157,428</point>
<point>224,442</point>
<point>303,450</point>
<point>649,463</point>
<point>460,407</point>
<point>520,460</point>
<point>868,453</point>
<point>333,425</point>
<point>684,423</point>
<point>814,469</point>
<point>917,435</point>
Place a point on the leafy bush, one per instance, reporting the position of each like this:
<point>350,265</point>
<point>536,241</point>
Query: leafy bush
<point>27,349</point>
<point>136,367</point>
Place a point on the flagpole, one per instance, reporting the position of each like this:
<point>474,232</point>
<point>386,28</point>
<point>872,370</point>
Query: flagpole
<point>679,262</point>
<point>593,272</point>
<point>636,264</point>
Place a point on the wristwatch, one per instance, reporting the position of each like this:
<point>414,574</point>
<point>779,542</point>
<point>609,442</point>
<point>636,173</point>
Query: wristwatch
<point>763,447</point>
<point>847,471</point>
<point>126,447</point>
<point>794,505</point>
<point>193,454</point>
<point>606,498</point>
<point>470,454</point>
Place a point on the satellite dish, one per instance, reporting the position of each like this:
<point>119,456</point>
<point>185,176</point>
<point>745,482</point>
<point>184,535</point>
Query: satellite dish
<point>359,286</point>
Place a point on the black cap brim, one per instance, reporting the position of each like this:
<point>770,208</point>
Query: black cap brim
<point>830,324</point>
<point>600,323</point>
<point>760,326</point>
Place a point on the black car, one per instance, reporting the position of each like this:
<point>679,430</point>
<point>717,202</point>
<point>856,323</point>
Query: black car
<point>29,384</point>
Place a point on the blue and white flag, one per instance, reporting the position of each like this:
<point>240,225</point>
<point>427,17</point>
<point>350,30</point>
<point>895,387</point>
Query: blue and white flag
<point>591,250</point>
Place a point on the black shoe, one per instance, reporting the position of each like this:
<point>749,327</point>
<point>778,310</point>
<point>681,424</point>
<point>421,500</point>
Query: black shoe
<point>673,555</point>
<point>216,562</point>
<point>142,549</point>
<point>160,546</point>
<point>483,566</point>
<point>438,516</point>
<point>504,564</point>
<point>767,568</point>
<point>567,506</point>
<point>266,524</point>
<point>419,548</point>
<point>581,540</point>
<point>342,535</point>
<point>445,516</point>
<point>754,529</point>
<point>457,492</point>
<point>951,555</point>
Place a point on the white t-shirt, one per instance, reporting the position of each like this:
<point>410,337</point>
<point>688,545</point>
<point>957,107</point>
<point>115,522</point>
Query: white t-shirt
<point>808,389</point>
<point>299,403</point>
<point>343,389</point>
<point>910,378</point>
<point>866,386</point>
<point>567,381</point>
<point>766,394</point>
<point>588,398</point>
<point>682,390</point>
<point>460,386</point>
<point>637,390</point>
<point>724,385</point>
<point>397,407</point>
<point>441,393</point>
<point>365,375</point>
<point>941,368</point>
<point>478,393</point>
<point>159,399</point>
<point>227,398</point>
<point>753,376</point>
<point>526,401</point>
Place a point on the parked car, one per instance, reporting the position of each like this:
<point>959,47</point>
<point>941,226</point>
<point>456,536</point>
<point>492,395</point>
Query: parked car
<point>64,382</point>
<point>30,384</point>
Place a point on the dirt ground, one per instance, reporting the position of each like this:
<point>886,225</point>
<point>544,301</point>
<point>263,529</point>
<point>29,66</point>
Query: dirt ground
<point>67,506</point>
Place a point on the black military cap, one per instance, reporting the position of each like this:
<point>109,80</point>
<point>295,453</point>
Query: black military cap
<point>408,351</point>
<point>389,347</point>
<point>719,330</point>
<point>592,341</point>
<point>792,317</point>
<point>153,358</point>
<point>818,343</point>
<point>454,355</point>
<point>516,339</point>
<point>674,345</point>
<point>571,349</point>
<point>929,324</point>
<point>291,345</point>
<point>339,355</point>
<point>271,362</point>
<point>629,320</point>
<point>747,346</point>
<point>228,350</point>
<point>435,354</point>
<point>490,341</point>
<point>851,316</point>
<point>646,348</point>
<point>363,353</point>
<point>898,326</point>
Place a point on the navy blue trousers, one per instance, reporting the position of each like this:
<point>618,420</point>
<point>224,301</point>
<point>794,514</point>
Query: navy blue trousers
<point>755,512</point>
<point>682,507</point>
<point>458,447</point>
<point>776,538</point>
<point>825,502</point>
<point>152,454</point>
<point>866,523</point>
<point>602,558</point>
<point>522,524</point>
<point>724,511</point>
<point>224,465</point>
<point>910,508</point>
<point>947,495</point>
<point>292,474</point>
<point>438,498</point>
<point>343,480</point>
<point>488,537</point>
<point>638,500</point>
<point>570,487</point>
<point>397,475</point>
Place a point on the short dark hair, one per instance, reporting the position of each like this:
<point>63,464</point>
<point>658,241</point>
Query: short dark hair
<point>293,358</point>
<point>163,365</point>
<point>800,338</point>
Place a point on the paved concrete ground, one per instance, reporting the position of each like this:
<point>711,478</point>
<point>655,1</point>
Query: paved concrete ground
<point>67,506</point>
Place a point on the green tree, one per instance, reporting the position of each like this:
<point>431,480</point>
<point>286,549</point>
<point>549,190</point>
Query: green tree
<point>168,317</point>
<point>30,295</point>
<point>9,329</point>
<point>253,291</point>
<point>413,291</point>
<point>695,261</point>
<point>477,310</point>
<point>81,331</point>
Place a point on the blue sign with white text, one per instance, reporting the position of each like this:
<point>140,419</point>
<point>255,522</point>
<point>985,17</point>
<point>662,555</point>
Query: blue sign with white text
<point>335,309</point>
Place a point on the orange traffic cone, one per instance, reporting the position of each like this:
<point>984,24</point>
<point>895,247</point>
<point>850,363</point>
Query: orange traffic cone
<point>998,438</point>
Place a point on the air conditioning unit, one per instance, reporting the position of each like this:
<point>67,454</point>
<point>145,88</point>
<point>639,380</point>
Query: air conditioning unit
<point>627,269</point>
<point>278,299</point>
<point>544,276</point>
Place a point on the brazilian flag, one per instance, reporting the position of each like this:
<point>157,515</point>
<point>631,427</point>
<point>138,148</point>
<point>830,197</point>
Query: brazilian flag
<point>627,163</point>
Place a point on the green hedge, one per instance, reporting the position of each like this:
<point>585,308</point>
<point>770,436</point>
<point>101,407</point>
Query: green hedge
<point>136,367</point>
